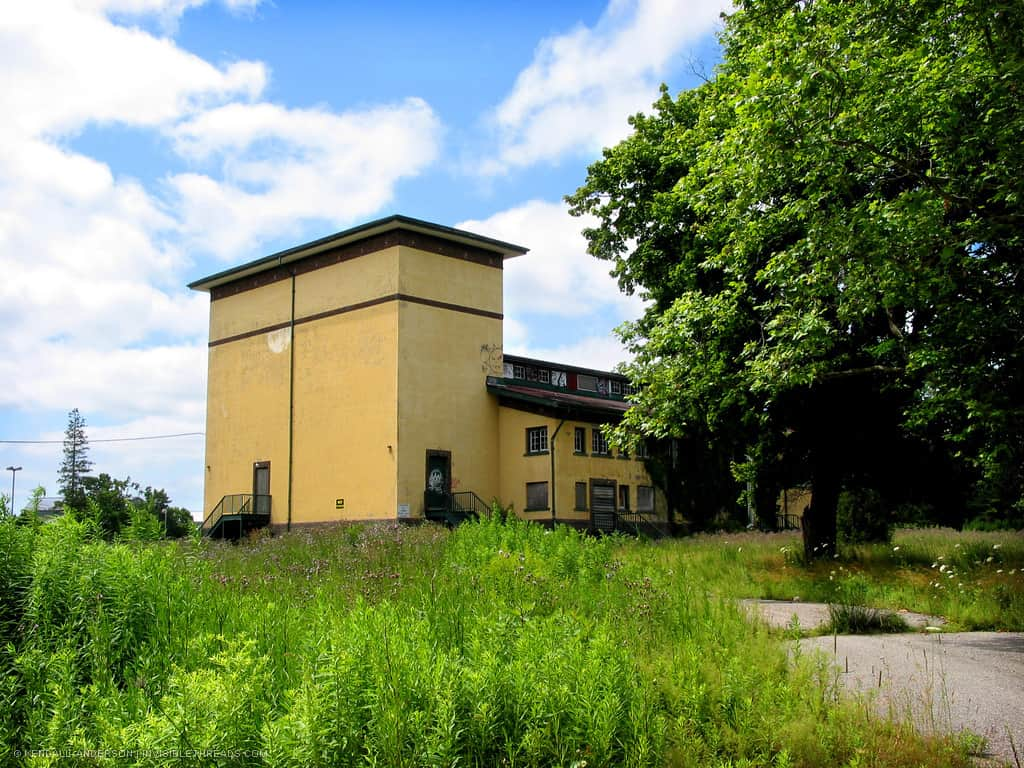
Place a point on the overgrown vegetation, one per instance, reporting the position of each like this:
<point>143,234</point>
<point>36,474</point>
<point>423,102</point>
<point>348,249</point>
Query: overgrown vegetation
<point>498,644</point>
<point>974,580</point>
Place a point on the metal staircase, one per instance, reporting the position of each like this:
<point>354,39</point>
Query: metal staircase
<point>453,508</point>
<point>236,515</point>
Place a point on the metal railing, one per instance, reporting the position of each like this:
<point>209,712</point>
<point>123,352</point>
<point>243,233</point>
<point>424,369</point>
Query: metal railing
<point>469,504</point>
<point>237,505</point>
<point>636,522</point>
<point>788,522</point>
<point>453,508</point>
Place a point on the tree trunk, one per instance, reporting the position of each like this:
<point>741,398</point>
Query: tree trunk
<point>819,521</point>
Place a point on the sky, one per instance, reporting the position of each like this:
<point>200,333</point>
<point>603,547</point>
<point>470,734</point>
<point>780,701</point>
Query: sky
<point>148,143</point>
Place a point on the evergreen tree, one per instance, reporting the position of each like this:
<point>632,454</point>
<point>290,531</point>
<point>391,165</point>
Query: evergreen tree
<point>76,462</point>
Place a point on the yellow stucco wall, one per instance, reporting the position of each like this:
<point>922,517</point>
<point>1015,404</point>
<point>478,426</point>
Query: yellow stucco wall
<point>518,468</point>
<point>247,417</point>
<point>345,385</point>
<point>345,416</point>
<point>250,310</point>
<point>443,403</point>
<point>366,410</point>
<point>378,382</point>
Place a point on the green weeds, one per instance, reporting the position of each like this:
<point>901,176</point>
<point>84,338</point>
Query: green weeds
<point>500,643</point>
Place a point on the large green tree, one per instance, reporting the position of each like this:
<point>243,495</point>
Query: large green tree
<point>831,234</point>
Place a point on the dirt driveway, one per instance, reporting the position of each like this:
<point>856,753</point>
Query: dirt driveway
<point>945,681</point>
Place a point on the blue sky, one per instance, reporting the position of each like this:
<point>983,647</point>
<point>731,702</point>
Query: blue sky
<point>147,143</point>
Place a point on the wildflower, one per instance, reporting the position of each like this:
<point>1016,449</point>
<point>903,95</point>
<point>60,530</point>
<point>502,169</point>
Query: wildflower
<point>988,559</point>
<point>934,565</point>
<point>896,549</point>
<point>996,546</point>
<point>999,571</point>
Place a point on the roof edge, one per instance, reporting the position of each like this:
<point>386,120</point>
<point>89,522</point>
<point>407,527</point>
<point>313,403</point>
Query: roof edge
<point>354,234</point>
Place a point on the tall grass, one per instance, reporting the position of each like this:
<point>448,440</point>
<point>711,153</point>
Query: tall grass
<point>974,580</point>
<point>498,644</point>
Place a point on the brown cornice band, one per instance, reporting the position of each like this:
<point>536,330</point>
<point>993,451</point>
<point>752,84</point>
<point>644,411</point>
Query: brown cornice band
<point>369,245</point>
<point>360,305</point>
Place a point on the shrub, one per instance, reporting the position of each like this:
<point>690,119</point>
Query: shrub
<point>862,516</point>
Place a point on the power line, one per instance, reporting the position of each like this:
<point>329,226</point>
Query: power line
<point>103,440</point>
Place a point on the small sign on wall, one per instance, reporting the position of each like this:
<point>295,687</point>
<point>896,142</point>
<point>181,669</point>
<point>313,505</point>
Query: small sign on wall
<point>403,510</point>
<point>339,503</point>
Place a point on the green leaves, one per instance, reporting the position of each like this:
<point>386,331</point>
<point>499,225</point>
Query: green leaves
<point>842,201</point>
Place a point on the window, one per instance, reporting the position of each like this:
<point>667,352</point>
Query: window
<point>579,440</point>
<point>581,496</point>
<point>518,372</point>
<point>641,450</point>
<point>589,383</point>
<point>544,376</point>
<point>616,387</point>
<point>536,440</point>
<point>558,378</point>
<point>598,445</point>
<point>624,497</point>
<point>645,498</point>
<point>536,496</point>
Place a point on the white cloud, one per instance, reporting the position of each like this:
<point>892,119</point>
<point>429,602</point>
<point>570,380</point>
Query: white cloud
<point>557,276</point>
<point>601,352</point>
<point>582,85</point>
<point>67,66</point>
<point>283,167</point>
<point>556,279</point>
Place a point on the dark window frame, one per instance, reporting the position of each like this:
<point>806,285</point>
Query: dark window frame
<point>547,497</point>
<point>581,486</point>
<point>541,432</point>
<point>640,507</point>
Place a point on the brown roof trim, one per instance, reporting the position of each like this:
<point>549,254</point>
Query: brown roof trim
<point>358,241</point>
<point>555,404</point>
<point>360,305</point>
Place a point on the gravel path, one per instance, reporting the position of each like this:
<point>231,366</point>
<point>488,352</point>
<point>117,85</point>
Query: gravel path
<point>945,682</point>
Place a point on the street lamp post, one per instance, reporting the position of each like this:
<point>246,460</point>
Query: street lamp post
<point>14,473</point>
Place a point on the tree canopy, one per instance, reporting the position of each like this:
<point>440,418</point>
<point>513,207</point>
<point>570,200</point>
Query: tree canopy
<point>830,232</point>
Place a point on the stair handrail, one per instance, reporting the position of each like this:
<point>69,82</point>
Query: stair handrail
<point>476,506</point>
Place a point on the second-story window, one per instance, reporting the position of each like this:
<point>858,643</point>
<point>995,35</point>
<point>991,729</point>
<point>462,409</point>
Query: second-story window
<point>598,445</point>
<point>579,440</point>
<point>536,439</point>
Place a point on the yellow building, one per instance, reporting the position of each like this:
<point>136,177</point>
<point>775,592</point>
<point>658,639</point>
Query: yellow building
<point>361,377</point>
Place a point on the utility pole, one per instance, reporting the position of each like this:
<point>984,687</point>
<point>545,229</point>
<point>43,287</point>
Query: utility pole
<point>14,473</point>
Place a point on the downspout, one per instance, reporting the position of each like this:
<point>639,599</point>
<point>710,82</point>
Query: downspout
<point>554,495</point>
<point>291,399</point>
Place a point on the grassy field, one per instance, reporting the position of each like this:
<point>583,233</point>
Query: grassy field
<point>496,644</point>
<point>974,580</point>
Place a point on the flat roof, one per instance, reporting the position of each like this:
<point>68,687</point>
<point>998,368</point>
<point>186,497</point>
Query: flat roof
<point>355,234</point>
<point>566,402</point>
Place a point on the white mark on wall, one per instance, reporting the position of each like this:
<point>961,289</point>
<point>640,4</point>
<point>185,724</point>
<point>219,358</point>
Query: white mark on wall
<point>277,341</point>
